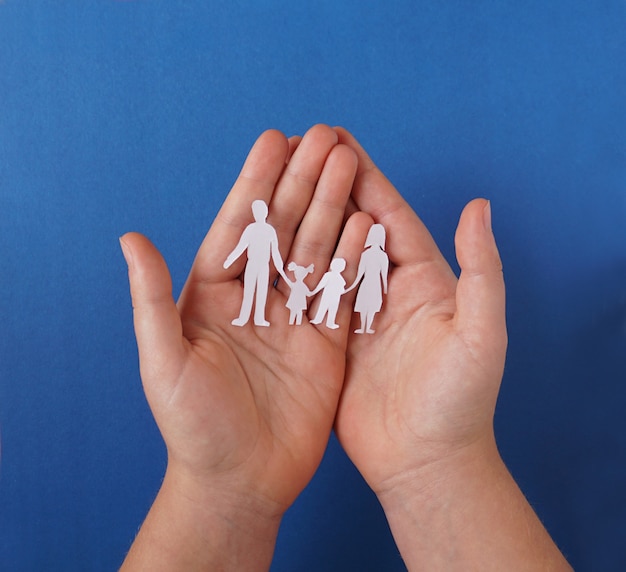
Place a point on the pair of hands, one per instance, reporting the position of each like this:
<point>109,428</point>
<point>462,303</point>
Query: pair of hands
<point>248,411</point>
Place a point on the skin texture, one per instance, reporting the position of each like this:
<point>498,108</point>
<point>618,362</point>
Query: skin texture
<point>246,412</point>
<point>416,412</point>
<point>426,384</point>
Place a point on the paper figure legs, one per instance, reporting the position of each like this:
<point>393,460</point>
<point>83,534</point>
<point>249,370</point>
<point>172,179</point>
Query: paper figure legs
<point>373,269</point>
<point>297,301</point>
<point>332,286</point>
<point>261,243</point>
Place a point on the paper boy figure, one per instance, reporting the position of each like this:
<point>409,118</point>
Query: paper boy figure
<point>332,284</point>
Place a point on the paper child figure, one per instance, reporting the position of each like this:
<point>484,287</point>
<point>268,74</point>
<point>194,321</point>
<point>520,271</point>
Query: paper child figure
<point>260,240</point>
<point>332,284</point>
<point>373,269</point>
<point>297,302</point>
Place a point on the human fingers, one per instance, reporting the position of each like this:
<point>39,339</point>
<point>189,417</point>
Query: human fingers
<point>294,141</point>
<point>257,180</point>
<point>298,182</point>
<point>317,235</point>
<point>480,294</point>
<point>351,208</point>
<point>157,323</point>
<point>408,239</point>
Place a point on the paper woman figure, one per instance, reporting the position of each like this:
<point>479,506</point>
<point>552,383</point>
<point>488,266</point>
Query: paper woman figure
<point>332,286</point>
<point>297,301</point>
<point>260,241</point>
<point>373,269</point>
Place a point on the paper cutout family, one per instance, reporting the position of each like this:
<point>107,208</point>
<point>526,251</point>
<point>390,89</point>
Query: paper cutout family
<point>260,243</point>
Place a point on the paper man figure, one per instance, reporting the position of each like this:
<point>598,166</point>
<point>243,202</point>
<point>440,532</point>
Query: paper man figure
<point>297,302</point>
<point>332,284</point>
<point>373,269</point>
<point>260,240</point>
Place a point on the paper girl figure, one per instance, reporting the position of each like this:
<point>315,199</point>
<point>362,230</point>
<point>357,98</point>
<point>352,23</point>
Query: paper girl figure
<point>332,284</point>
<point>260,241</point>
<point>297,302</point>
<point>373,269</point>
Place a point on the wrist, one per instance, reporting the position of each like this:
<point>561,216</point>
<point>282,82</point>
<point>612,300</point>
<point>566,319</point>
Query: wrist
<point>205,524</point>
<point>464,511</point>
<point>223,498</point>
<point>442,476</point>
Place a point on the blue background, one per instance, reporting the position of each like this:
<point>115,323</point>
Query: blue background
<point>118,116</point>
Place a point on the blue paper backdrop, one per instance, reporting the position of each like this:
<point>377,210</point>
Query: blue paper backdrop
<point>118,116</point>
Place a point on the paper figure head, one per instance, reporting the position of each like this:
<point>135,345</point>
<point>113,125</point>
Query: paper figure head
<point>300,272</point>
<point>376,236</point>
<point>338,264</point>
<point>259,210</point>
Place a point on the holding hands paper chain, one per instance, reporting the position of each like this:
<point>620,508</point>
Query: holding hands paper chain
<point>260,242</point>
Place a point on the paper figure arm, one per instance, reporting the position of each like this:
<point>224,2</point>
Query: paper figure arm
<point>277,258</point>
<point>384,272</point>
<point>321,285</point>
<point>359,275</point>
<point>239,249</point>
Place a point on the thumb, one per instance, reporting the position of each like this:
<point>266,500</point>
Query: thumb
<point>158,326</point>
<point>480,297</point>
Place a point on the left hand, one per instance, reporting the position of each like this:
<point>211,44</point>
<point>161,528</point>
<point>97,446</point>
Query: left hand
<point>425,386</point>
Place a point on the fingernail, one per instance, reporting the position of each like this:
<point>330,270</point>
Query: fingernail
<point>126,251</point>
<point>487,216</point>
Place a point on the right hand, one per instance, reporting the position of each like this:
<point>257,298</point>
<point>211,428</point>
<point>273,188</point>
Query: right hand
<point>242,411</point>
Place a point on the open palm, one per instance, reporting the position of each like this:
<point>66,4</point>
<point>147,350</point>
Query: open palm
<point>425,384</point>
<point>249,406</point>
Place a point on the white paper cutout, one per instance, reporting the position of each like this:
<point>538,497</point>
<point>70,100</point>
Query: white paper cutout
<point>297,301</point>
<point>261,243</point>
<point>332,286</point>
<point>373,269</point>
